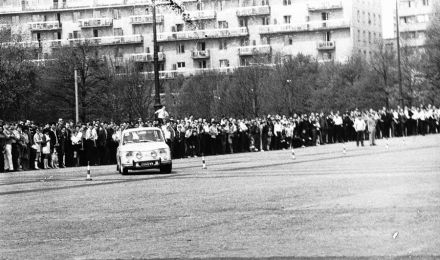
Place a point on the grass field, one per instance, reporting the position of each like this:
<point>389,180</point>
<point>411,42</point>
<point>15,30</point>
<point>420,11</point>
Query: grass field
<point>371,202</point>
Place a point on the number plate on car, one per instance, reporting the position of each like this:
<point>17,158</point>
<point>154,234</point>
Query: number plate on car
<point>152,163</point>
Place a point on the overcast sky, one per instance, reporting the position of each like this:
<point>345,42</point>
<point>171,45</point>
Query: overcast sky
<point>388,7</point>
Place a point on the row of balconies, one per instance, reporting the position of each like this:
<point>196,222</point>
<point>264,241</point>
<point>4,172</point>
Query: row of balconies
<point>304,27</point>
<point>253,10</point>
<point>201,15</point>
<point>145,19</point>
<point>107,40</point>
<point>202,34</point>
<point>95,22</point>
<point>45,26</point>
<point>318,6</point>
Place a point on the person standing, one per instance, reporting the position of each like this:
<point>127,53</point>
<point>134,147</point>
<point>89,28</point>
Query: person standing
<point>359,126</point>
<point>38,139</point>
<point>2,149</point>
<point>46,148</point>
<point>371,124</point>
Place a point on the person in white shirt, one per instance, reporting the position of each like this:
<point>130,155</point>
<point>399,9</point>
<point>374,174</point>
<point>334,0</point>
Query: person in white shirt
<point>161,114</point>
<point>359,126</point>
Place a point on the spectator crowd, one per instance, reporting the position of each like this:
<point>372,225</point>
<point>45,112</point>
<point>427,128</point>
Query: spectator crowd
<point>28,145</point>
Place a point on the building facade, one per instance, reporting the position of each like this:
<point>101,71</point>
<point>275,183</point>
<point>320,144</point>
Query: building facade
<point>206,34</point>
<point>414,16</point>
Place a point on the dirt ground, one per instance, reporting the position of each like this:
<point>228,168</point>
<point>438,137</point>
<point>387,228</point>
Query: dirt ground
<point>371,202</point>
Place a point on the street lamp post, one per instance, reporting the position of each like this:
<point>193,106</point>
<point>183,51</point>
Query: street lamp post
<point>157,103</point>
<point>398,56</point>
<point>76,97</point>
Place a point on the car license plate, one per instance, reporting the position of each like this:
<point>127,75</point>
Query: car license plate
<point>148,163</point>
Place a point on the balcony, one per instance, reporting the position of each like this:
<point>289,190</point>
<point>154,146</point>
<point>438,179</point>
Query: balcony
<point>146,57</point>
<point>95,22</point>
<point>44,26</point>
<point>318,6</point>
<point>254,50</point>
<point>199,54</point>
<point>413,27</point>
<point>201,15</point>
<point>253,10</point>
<point>40,62</point>
<point>30,44</point>
<point>202,34</point>
<point>109,40</point>
<point>305,27</point>
<point>145,19</point>
<point>325,45</point>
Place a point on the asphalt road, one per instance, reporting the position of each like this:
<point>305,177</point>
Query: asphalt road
<point>371,202</point>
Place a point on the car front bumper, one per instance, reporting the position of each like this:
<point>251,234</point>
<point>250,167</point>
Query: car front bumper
<point>150,164</point>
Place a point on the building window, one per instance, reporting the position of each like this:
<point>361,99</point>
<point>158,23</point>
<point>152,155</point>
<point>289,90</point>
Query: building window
<point>15,19</point>
<point>425,2</point>
<point>180,48</point>
<point>374,19</point>
<point>116,14</point>
<point>359,16</point>
<point>243,22</point>
<point>222,24</point>
<point>202,64</point>
<point>224,63</point>
<point>369,18</point>
<point>324,16</point>
<point>265,20</point>
<point>359,35</point>
<point>328,36</point>
<point>287,2</point>
<point>223,44</point>
<point>181,65</point>
<point>364,36</point>
<point>179,27</point>
<point>289,40</point>
<point>76,16</point>
<point>95,33</point>
<point>369,37</point>
<point>264,2</point>
<point>201,46</point>
<point>287,19</point>
<point>118,32</point>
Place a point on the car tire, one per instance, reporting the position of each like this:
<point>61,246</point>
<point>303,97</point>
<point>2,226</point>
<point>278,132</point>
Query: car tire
<point>166,168</point>
<point>124,171</point>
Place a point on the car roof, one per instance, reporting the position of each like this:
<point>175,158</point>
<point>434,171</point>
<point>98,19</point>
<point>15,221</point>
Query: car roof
<point>141,129</point>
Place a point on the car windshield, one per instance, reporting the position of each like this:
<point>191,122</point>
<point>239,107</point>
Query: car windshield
<point>142,136</point>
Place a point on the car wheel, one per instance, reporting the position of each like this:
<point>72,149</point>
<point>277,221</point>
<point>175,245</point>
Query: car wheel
<point>123,170</point>
<point>166,168</point>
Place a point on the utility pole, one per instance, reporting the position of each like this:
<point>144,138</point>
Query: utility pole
<point>76,97</point>
<point>157,103</point>
<point>398,55</point>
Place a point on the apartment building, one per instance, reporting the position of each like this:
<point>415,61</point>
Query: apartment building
<point>414,16</point>
<point>208,34</point>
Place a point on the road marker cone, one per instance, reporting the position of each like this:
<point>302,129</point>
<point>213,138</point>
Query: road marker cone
<point>88,178</point>
<point>203,162</point>
<point>293,154</point>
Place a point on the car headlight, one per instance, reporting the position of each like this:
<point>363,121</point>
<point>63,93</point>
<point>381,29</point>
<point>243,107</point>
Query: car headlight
<point>128,154</point>
<point>165,154</point>
<point>153,154</point>
<point>139,155</point>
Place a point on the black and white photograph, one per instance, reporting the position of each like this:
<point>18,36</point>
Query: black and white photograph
<point>220,129</point>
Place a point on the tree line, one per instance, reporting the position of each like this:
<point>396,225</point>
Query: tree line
<point>294,84</point>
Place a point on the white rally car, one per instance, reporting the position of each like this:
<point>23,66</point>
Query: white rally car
<point>143,148</point>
